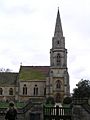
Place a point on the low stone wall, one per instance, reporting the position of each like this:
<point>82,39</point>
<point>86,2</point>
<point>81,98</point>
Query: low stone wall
<point>79,113</point>
<point>19,116</point>
<point>81,109</point>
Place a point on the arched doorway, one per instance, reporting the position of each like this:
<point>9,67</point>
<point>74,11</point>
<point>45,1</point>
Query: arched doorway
<point>58,98</point>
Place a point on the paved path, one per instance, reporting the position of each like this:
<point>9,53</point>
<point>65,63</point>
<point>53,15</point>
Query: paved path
<point>59,104</point>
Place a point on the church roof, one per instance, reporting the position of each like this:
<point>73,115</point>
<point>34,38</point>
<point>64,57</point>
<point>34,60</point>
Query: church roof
<point>8,78</point>
<point>33,72</point>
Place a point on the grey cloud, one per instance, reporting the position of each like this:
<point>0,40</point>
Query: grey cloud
<point>77,73</point>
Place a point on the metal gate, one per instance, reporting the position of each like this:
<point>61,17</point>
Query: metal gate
<point>57,113</point>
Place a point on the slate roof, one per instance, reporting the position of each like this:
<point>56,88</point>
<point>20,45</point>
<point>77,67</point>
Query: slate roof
<point>8,78</point>
<point>33,72</point>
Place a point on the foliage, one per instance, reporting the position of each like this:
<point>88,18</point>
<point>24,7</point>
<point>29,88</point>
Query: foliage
<point>82,90</point>
<point>50,100</point>
<point>5,70</point>
<point>67,100</point>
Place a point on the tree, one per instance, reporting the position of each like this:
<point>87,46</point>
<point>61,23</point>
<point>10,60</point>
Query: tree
<point>82,90</point>
<point>5,70</point>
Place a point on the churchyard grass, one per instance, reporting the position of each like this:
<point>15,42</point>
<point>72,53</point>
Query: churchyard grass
<point>17,104</point>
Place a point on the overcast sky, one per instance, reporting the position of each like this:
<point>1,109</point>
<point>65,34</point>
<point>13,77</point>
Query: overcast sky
<point>27,28</point>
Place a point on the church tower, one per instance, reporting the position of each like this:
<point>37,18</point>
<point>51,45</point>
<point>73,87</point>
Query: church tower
<point>58,81</point>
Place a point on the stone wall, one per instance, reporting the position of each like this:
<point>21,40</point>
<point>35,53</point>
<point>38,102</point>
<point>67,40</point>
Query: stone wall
<point>30,89</point>
<point>81,109</point>
<point>79,113</point>
<point>5,95</point>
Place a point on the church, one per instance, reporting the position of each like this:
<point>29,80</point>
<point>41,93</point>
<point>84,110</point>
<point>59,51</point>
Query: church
<point>40,82</point>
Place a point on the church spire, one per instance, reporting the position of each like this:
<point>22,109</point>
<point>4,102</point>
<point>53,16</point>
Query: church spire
<point>58,27</point>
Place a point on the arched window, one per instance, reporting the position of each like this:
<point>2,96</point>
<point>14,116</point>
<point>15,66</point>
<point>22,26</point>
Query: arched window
<point>58,42</point>
<point>58,84</point>
<point>35,90</point>
<point>1,91</point>
<point>24,89</point>
<point>58,59</point>
<point>44,91</point>
<point>11,91</point>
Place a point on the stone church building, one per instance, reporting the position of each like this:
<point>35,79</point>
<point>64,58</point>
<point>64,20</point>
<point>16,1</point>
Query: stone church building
<point>40,82</point>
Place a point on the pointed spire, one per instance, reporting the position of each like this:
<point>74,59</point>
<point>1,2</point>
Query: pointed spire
<point>58,27</point>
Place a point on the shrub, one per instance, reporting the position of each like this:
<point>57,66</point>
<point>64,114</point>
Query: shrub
<point>50,100</point>
<point>67,100</point>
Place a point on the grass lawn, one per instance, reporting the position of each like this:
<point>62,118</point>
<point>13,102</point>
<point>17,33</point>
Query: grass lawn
<point>17,104</point>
